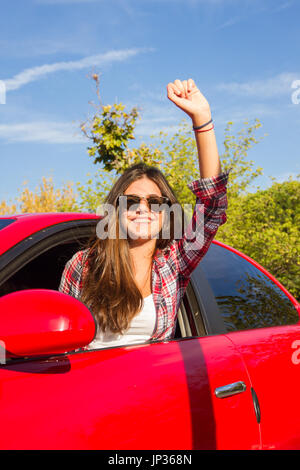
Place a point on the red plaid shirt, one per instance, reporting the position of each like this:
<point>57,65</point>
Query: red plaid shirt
<point>172,267</point>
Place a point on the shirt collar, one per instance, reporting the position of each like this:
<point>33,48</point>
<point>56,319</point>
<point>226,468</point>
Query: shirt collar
<point>159,257</point>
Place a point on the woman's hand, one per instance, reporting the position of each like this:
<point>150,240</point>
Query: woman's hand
<point>188,97</point>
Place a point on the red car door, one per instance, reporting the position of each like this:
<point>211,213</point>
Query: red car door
<point>151,396</point>
<point>272,359</point>
<point>262,320</point>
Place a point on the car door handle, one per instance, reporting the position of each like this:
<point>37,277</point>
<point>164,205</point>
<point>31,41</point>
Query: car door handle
<point>230,389</point>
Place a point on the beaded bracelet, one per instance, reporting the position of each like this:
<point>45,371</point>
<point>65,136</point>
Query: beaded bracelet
<point>203,125</point>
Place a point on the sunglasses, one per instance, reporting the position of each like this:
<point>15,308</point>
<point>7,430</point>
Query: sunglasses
<point>154,202</point>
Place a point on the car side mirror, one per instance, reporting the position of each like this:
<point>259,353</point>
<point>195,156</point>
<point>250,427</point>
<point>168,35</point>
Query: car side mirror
<point>39,321</point>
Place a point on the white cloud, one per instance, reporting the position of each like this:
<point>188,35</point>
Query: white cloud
<point>45,132</point>
<point>55,132</point>
<point>35,73</point>
<point>268,88</point>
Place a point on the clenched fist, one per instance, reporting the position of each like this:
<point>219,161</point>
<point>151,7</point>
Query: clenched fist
<point>188,97</point>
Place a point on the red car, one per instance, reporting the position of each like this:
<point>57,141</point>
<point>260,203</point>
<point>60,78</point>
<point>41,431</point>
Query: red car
<point>229,379</point>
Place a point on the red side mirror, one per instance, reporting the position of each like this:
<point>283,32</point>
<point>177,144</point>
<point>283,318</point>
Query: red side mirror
<point>37,322</point>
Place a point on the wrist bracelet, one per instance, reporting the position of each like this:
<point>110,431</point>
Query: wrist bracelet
<point>203,125</point>
<point>205,130</point>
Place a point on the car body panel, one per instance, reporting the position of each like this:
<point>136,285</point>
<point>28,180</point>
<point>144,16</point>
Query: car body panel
<point>152,396</point>
<point>271,357</point>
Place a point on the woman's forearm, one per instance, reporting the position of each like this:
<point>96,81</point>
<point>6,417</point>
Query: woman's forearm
<point>209,161</point>
<point>187,96</point>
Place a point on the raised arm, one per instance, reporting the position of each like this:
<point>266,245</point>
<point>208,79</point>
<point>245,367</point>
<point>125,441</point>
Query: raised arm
<point>210,189</point>
<point>189,99</point>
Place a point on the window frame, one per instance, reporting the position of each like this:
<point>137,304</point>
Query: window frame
<point>38,243</point>
<point>208,307</point>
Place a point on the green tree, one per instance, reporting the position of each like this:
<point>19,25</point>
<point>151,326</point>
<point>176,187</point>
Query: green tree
<point>235,156</point>
<point>45,198</point>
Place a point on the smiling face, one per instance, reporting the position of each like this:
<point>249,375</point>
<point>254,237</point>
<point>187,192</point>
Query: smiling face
<point>139,221</point>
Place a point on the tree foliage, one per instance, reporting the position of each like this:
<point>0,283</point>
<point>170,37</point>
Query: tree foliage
<point>45,198</point>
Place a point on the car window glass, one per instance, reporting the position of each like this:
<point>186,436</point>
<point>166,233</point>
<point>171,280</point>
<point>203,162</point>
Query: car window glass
<point>5,222</point>
<point>246,297</point>
<point>42,272</point>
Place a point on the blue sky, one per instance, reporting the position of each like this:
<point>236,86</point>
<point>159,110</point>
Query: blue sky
<point>243,55</point>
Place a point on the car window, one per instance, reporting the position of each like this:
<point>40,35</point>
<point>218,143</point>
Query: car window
<point>42,272</point>
<point>246,297</point>
<point>6,222</point>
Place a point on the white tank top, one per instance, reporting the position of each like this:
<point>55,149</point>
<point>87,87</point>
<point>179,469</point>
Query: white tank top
<point>139,331</point>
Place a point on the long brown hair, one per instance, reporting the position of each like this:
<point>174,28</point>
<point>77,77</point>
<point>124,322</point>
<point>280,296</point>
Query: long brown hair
<point>109,288</point>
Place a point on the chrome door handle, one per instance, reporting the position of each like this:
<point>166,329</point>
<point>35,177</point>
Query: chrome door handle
<point>230,389</point>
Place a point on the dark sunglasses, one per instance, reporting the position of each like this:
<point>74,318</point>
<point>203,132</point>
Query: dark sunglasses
<point>154,202</point>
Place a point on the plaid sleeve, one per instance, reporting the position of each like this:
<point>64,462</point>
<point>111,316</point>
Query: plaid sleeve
<point>209,213</point>
<point>70,282</point>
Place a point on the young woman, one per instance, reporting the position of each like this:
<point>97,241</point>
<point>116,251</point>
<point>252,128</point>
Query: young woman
<point>134,281</point>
